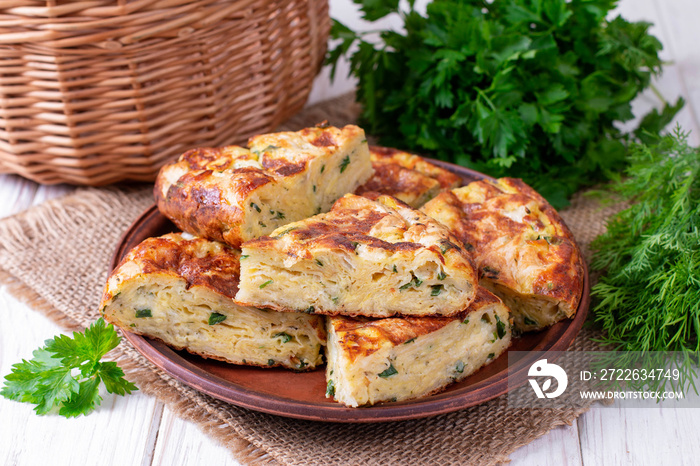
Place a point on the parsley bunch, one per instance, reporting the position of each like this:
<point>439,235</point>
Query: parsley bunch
<point>526,88</point>
<point>648,297</point>
<point>67,372</point>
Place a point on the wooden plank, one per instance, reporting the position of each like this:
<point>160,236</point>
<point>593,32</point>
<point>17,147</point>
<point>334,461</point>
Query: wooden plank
<point>183,443</point>
<point>640,436</point>
<point>116,434</point>
<point>678,19</point>
<point>16,194</point>
<point>669,20</point>
<point>560,447</point>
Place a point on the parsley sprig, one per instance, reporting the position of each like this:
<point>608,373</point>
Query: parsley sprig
<point>526,88</point>
<point>66,373</point>
<point>648,296</point>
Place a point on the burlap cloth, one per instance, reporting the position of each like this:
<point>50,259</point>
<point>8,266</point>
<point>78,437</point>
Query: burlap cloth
<point>55,256</point>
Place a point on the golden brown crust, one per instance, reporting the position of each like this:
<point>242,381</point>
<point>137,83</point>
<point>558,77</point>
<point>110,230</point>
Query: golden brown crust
<point>370,255</point>
<point>199,201</point>
<point>407,177</point>
<point>362,336</point>
<point>200,262</point>
<point>518,240</point>
<point>445,178</point>
<point>350,222</point>
<point>208,191</point>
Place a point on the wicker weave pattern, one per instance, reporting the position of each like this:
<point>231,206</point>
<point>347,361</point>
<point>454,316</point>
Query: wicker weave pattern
<point>95,92</point>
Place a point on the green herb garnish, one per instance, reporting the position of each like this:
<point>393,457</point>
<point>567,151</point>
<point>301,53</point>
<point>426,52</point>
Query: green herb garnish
<point>66,373</point>
<point>216,318</point>
<point>409,341</point>
<point>323,167</point>
<point>391,370</point>
<point>460,367</point>
<point>244,256</point>
<point>441,275</point>
<point>436,290</point>
<point>446,246</point>
<point>344,164</point>
<point>394,269</point>
<point>500,328</point>
<point>265,284</point>
<point>529,321</point>
<point>415,283</point>
<point>286,338</point>
<point>320,264</point>
<point>270,362</point>
<point>255,206</point>
<point>284,232</point>
<point>309,309</point>
<point>529,88</point>
<point>648,296</point>
<point>141,313</point>
<point>330,388</point>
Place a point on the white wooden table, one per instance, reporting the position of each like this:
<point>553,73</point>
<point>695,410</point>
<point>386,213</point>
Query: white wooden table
<point>137,430</point>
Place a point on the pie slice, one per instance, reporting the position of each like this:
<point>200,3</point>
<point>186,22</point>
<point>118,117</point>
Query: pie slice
<point>408,177</point>
<point>399,358</point>
<point>373,257</point>
<point>232,194</point>
<point>524,251</point>
<point>179,289</point>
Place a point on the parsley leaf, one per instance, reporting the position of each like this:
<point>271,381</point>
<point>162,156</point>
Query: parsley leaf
<point>388,372</point>
<point>344,163</point>
<point>525,88</point>
<point>66,373</point>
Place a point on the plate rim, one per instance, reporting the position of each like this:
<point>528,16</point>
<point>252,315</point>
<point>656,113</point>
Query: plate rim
<point>172,363</point>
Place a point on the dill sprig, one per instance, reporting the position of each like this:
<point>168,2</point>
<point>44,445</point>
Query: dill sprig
<point>648,297</point>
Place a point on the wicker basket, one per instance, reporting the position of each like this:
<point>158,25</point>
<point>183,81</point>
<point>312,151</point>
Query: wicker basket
<point>99,91</point>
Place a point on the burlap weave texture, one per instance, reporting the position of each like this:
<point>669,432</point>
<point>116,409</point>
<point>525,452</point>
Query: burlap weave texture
<point>56,256</point>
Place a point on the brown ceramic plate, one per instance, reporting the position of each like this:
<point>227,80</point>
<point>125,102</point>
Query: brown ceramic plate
<point>302,395</point>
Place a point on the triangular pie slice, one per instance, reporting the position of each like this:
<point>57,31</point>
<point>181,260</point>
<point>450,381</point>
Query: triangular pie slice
<point>408,177</point>
<point>399,358</point>
<point>232,194</point>
<point>179,289</point>
<point>523,249</point>
<point>373,257</point>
